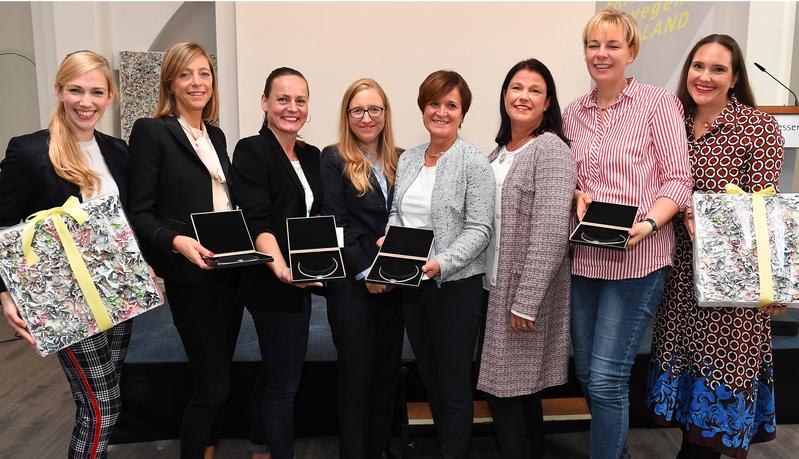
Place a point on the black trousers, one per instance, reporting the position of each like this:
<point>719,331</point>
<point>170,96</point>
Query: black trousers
<point>442,323</point>
<point>367,331</point>
<point>208,324</point>
<point>283,340</point>
<point>692,451</point>
<point>519,425</point>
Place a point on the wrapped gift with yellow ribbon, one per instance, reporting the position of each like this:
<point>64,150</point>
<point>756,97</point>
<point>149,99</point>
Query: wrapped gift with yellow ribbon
<point>746,248</point>
<point>75,271</point>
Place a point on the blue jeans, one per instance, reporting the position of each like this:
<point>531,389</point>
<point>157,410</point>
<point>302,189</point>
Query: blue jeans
<point>283,339</point>
<point>609,317</point>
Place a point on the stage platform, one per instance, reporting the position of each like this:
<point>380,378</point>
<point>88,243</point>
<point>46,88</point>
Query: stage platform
<point>156,381</point>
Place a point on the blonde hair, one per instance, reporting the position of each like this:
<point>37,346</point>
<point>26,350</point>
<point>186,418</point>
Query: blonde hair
<point>609,16</point>
<point>65,153</point>
<point>356,166</point>
<point>175,61</point>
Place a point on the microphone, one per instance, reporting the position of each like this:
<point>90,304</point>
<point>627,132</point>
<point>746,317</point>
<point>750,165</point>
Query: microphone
<point>763,69</point>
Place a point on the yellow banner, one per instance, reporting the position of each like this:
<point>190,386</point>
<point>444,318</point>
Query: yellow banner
<point>761,237</point>
<point>72,208</point>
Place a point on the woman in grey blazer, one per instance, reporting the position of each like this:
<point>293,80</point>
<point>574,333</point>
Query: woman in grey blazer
<point>526,346</point>
<point>446,185</point>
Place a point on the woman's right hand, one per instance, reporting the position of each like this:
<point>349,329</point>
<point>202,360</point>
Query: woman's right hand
<point>582,201</point>
<point>284,275</point>
<point>376,289</point>
<point>192,250</point>
<point>688,220</point>
<point>14,319</point>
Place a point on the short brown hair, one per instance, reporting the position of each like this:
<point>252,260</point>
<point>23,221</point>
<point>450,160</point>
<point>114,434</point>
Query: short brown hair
<point>626,23</point>
<point>178,58</point>
<point>440,83</point>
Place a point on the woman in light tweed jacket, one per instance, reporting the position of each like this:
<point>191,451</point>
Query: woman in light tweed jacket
<point>446,185</point>
<point>526,345</point>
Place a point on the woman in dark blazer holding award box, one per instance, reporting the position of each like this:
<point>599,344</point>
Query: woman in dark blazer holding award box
<point>277,177</point>
<point>446,185</point>
<point>179,163</point>
<point>365,319</point>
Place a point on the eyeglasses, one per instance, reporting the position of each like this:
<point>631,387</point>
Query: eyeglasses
<point>358,113</point>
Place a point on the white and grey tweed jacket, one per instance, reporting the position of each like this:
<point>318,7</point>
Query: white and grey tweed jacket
<point>462,206</point>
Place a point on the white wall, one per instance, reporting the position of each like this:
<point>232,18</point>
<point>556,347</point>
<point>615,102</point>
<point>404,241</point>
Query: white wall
<point>399,44</point>
<point>19,110</point>
<point>770,43</point>
<point>480,40</point>
<point>106,27</point>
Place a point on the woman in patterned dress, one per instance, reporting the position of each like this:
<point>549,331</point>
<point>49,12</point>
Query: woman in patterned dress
<point>711,370</point>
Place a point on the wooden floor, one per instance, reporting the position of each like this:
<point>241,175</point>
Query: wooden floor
<point>36,413</point>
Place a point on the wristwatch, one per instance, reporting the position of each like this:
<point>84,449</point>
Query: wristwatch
<point>654,225</point>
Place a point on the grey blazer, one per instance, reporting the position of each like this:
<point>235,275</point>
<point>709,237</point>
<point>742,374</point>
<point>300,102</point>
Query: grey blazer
<point>462,206</point>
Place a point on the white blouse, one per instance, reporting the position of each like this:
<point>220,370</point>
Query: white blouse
<point>501,166</point>
<point>306,187</point>
<point>201,142</point>
<point>96,163</point>
<point>416,203</point>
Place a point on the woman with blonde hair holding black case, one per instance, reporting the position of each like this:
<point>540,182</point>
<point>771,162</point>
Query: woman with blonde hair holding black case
<point>179,163</point>
<point>366,319</point>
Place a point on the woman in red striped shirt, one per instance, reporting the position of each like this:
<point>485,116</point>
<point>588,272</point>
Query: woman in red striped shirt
<point>630,146</point>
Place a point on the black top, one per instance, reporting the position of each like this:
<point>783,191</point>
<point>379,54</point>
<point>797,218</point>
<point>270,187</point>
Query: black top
<point>269,191</point>
<point>29,183</point>
<point>364,218</point>
<point>168,183</point>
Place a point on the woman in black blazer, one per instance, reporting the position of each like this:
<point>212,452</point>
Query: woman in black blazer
<point>40,171</point>
<point>179,163</point>
<point>277,176</point>
<point>366,319</point>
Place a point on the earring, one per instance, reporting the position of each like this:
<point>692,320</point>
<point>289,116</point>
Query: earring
<point>308,120</point>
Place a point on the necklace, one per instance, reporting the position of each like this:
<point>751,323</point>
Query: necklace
<point>430,155</point>
<point>192,131</point>
<point>618,240</point>
<point>394,277</point>
<point>316,272</point>
<point>518,144</point>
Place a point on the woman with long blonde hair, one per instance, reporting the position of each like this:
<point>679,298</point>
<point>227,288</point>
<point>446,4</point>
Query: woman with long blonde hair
<point>179,163</point>
<point>40,171</point>
<point>366,319</point>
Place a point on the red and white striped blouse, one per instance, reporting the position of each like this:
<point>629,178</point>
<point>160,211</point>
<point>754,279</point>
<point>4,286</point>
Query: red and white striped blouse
<point>635,155</point>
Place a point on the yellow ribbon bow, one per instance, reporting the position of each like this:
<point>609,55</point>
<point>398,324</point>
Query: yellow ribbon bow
<point>761,236</point>
<point>72,208</point>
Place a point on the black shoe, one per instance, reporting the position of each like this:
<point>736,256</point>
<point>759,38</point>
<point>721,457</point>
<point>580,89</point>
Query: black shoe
<point>383,455</point>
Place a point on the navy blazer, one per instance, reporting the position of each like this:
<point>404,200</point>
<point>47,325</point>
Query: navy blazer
<point>29,183</point>
<point>269,191</point>
<point>169,183</point>
<point>363,218</point>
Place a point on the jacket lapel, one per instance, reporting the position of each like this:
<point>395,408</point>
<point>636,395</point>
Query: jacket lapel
<point>493,155</point>
<point>68,188</point>
<point>221,150</point>
<point>116,164</point>
<point>376,186</point>
<point>174,127</point>
<point>310,167</point>
<point>277,150</point>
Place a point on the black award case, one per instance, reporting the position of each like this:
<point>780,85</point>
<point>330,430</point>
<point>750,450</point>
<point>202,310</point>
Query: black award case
<point>605,225</point>
<point>400,259</point>
<point>314,254</point>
